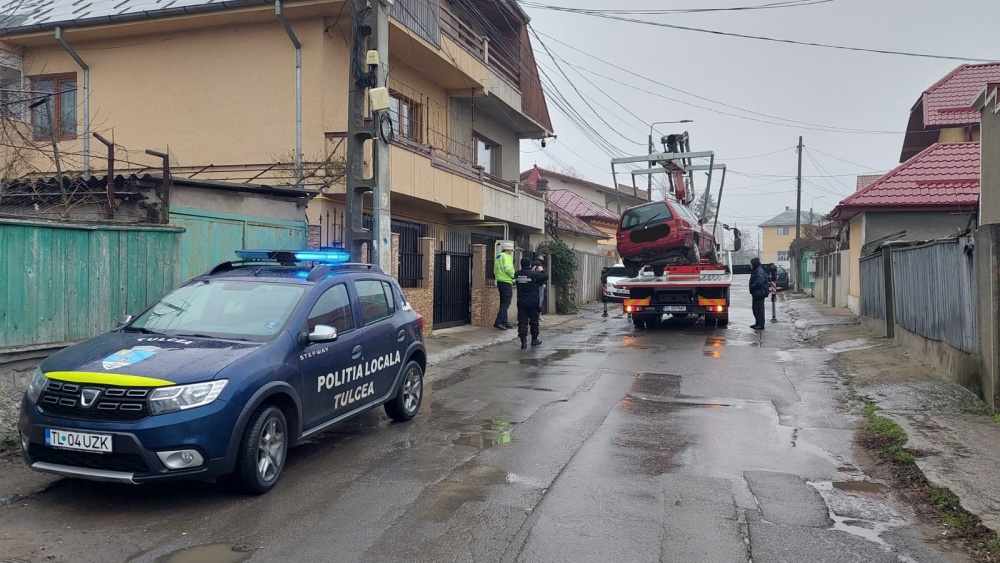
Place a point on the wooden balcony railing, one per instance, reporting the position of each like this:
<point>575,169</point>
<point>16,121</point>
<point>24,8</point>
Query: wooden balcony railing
<point>461,33</point>
<point>500,61</point>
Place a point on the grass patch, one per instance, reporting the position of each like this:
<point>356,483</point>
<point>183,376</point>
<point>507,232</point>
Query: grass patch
<point>996,418</point>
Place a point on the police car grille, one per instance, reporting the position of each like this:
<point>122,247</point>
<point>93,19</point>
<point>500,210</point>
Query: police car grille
<point>115,404</point>
<point>128,463</point>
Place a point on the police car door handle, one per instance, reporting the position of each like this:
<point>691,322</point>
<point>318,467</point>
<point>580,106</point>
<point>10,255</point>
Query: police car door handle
<point>401,336</point>
<point>356,353</point>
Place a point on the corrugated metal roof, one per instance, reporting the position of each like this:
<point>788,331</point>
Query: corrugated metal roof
<point>941,175</point>
<point>30,15</point>
<point>949,100</point>
<point>581,207</point>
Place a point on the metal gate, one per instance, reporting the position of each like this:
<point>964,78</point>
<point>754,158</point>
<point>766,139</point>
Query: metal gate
<point>452,289</point>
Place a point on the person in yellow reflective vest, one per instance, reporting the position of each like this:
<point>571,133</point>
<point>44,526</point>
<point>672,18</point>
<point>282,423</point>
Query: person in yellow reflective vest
<point>503,271</point>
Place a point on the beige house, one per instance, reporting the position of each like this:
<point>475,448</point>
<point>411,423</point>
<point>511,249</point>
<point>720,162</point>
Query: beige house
<point>215,86</point>
<point>777,235</point>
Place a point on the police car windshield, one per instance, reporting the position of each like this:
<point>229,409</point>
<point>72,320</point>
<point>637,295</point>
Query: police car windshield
<point>235,309</point>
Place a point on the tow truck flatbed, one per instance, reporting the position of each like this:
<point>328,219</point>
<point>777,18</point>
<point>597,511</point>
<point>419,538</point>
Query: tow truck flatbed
<point>701,289</point>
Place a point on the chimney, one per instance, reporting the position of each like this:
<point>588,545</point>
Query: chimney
<point>788,208</point>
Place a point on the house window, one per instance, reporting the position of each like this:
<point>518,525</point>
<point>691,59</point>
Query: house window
<point>488,156</point>
<point>783,255</point>
<point>63,104</point>
<point>11,92</point>
<point>783,230</point>
<point>406,121</point>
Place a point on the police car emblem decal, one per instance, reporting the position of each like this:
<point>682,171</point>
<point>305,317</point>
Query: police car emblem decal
<point>129,356</point>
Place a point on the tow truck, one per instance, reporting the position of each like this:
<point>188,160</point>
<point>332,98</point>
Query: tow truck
<point>683,290</point>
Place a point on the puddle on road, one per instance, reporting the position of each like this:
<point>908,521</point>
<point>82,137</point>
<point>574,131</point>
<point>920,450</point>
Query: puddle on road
<point>868,488</point>
<point>713,354</point>
<point>210,553</point>
<point>492,433</point>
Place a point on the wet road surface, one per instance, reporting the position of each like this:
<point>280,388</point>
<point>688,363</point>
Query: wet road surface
<point>682,443</point>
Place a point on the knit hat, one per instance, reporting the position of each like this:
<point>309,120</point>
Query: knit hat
<point>525,263</point>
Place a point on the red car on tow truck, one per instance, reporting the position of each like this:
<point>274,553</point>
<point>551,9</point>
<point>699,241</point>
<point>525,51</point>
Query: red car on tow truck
<point>660,234</point>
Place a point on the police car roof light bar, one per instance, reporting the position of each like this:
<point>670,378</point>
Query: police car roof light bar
<point>325,256</point>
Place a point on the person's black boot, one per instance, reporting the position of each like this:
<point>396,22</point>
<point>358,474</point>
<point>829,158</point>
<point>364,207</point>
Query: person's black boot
<point>524,343</point>
<point>535,341</point>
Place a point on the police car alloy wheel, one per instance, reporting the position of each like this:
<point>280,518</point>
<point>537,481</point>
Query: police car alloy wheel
<point>411,390</point>
<point>263,451</point>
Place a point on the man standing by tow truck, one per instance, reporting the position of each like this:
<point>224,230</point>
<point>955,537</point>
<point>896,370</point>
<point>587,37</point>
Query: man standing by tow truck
<point>503,271</point>
<point>759,289</point>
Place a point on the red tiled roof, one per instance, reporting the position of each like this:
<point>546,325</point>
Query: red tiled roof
<point>581,207</point>
<point>567,222</point>
<point>948,102</point>
<point>942,175</point>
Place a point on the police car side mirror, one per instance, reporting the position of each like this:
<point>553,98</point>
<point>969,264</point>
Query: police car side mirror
<point>323,333</point>
<point>124,320</point>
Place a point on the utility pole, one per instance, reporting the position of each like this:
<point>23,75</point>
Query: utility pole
<point>381,210</point>
<point>372,34</point>
<point>798,216</point>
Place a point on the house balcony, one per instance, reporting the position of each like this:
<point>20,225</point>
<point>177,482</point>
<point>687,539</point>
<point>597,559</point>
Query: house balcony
<point>511,82</point>
<point>512,203</point>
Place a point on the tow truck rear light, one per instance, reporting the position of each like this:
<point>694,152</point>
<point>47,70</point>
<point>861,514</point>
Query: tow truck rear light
<point>633,309</point>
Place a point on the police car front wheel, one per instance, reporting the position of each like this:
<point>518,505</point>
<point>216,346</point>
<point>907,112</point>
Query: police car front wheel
<point>411,390</point>
<point>262,452</point>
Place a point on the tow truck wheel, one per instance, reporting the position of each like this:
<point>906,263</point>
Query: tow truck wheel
<point>411,390</point>
<point>262,452</point>
<point>657,270</point>
<point>639,323</point>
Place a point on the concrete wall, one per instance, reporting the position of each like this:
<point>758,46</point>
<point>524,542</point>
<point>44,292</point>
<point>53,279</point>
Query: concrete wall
<point>987,261</point>
<point>254,205</point>
<point>857,240</point>
<point>520,206</point>
<point>989,202</point>
<point>488,127</point>
<point>919,225</point>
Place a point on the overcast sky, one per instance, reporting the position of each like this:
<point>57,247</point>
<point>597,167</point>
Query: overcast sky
<point>862,91</point>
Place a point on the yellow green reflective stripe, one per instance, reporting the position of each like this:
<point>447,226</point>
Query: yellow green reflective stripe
<point>107,379</point>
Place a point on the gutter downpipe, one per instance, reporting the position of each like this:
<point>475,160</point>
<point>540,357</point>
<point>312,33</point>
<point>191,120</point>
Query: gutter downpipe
<point>86,97</point>
<point>298,90</point>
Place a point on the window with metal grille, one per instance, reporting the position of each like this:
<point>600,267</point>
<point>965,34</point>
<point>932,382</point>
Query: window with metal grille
<point>411,261</point>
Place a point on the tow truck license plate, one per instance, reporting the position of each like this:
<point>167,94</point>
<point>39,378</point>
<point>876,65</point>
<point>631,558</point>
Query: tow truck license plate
<point>77,440</point>
<point>675,308</point>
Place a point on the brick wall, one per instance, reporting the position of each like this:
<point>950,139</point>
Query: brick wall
<point>485,298</point>
<point>422,298</point>
<point>313,240</point>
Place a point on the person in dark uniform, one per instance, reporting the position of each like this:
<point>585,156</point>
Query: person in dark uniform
<point>540,258</point>
<point>759,289</point>
<point>529,280</point>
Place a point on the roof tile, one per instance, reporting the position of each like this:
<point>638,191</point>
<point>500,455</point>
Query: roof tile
<point>943,174</point>
<point>581,207</point>
<point>948,102</point>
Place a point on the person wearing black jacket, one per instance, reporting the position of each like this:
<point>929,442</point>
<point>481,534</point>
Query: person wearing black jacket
<point>529,280</point>
<point>759,289</point>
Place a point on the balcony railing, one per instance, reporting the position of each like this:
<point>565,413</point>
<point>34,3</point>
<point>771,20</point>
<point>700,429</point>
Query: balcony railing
<point>500,61</point>
<point>497,58</point>
<point>461,33</point>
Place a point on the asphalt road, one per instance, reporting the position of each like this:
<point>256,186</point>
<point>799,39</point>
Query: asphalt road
<point>683,443</point>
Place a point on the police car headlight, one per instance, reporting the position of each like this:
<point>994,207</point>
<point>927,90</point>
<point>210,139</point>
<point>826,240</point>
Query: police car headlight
<point>183,397</point>
<point>36,385</point>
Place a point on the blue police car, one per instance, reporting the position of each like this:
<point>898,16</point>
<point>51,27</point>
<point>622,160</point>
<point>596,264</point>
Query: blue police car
<point>223,374</point>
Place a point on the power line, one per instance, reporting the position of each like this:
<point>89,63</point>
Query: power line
<point>840,159</point>
<point>790,122</point>
<point>774,39</point>
<point>650,12</point>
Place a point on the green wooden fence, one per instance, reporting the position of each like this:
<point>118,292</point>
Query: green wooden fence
<point>61,282</point>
